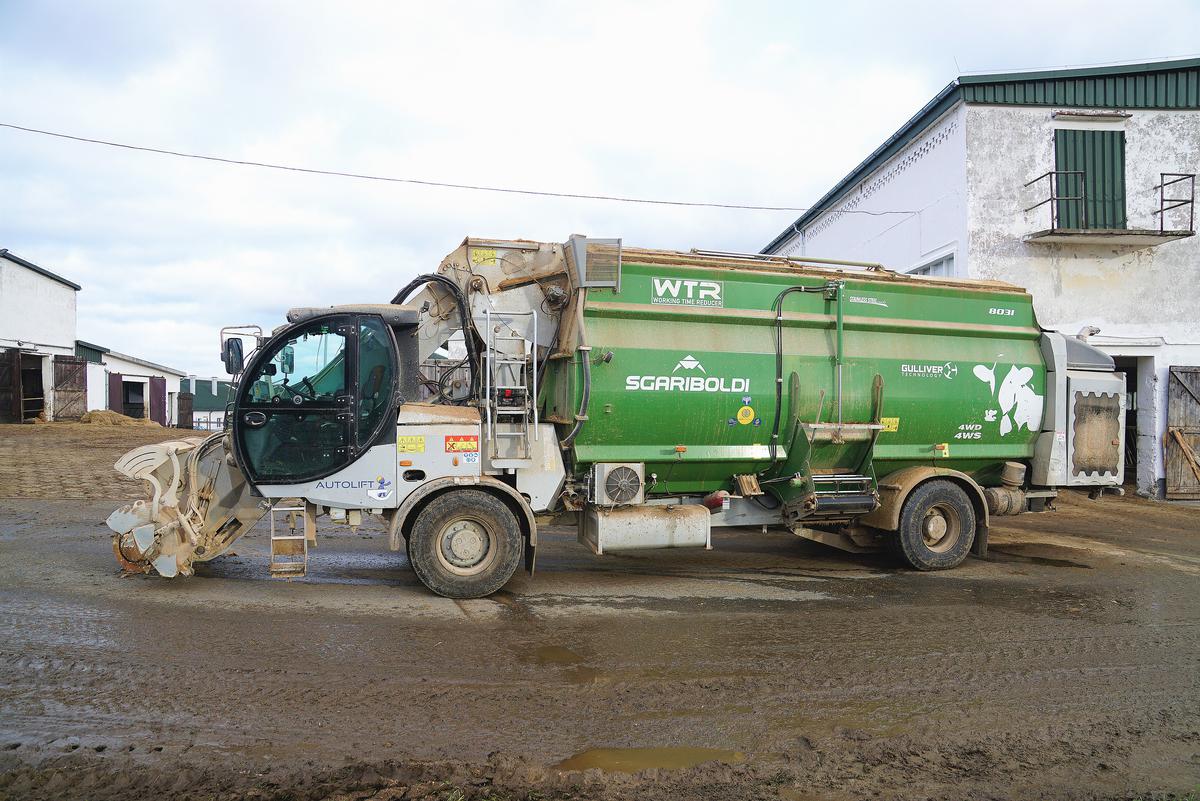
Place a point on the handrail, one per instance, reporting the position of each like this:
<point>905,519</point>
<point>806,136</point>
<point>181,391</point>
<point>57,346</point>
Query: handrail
<point>1054,197</point>
<point>1176,202</point>
<point>800,260</point>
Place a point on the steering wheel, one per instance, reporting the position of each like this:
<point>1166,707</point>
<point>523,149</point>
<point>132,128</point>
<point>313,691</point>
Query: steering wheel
<point>296,393</point>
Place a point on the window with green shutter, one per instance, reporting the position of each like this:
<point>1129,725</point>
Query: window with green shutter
<point>1091,180</point>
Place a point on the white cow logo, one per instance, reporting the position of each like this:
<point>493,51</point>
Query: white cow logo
<point>1020,406</point>
<point>987,375</point>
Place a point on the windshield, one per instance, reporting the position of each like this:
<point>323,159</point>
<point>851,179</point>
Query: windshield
<point>309,366</point>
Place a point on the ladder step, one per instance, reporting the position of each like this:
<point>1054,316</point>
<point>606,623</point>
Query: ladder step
<point>287,548</point>
<point>511,434</point>
<point>512,411</point>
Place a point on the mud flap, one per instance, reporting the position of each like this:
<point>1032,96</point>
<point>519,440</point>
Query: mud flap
<point>980,546</point>
<point>530,556</point>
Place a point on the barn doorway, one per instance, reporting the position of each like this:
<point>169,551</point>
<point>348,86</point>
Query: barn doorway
<point>133,399</point>
<point>33,388</point>
<point>1141,423</point>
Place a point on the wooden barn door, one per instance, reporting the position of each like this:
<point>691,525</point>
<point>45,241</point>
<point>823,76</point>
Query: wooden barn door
<point>158,399</point>
<point>1183,433</point>
<point>116,393</point>
<point>10,386</point>
<point>185,410</point>
<point>70,387</point>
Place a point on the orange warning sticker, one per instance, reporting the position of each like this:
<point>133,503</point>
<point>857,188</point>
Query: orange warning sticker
<point>467,443</point>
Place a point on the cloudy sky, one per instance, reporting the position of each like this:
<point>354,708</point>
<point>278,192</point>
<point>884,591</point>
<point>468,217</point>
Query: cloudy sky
<point>741,102</point>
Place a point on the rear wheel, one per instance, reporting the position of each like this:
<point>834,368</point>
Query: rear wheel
<point>465,544</point>
<point>937,526</point>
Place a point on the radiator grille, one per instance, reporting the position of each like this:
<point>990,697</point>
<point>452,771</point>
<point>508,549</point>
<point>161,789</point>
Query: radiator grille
<point>1096,438</point>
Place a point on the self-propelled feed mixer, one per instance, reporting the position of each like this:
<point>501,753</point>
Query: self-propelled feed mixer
<point>646,397</point>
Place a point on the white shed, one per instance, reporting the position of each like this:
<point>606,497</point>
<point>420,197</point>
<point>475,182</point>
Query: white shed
<point>129,385</point>
<point>39,373</point>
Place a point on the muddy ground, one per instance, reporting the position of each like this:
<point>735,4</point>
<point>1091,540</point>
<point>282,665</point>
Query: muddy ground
<point>1067,665</point>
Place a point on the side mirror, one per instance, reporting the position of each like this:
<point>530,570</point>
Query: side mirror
<point>231,355</point>
<point>287,360</point>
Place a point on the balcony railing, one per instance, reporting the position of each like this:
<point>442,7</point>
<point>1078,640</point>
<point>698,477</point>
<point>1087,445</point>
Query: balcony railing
<point>1074,218</point>
<point>1057,201</point>
<point>1166,204</point>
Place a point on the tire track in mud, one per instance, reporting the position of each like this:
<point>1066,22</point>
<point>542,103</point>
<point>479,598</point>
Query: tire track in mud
<point>1002,680</point>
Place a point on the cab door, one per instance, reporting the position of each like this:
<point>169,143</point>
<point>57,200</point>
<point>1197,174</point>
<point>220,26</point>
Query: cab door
<point>318,396</point>
<point>294,408</point>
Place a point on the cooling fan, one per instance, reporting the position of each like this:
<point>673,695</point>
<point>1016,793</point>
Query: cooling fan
<point>618,484</point>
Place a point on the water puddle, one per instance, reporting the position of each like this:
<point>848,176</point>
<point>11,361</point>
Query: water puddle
<point>633,760</point>
<point>556,655</point>
<point>569,661</point>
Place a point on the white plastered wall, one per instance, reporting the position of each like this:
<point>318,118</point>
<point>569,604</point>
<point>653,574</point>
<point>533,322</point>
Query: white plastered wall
<point>97,387</point>
<point>925,182</point>
<point>1143,299</point>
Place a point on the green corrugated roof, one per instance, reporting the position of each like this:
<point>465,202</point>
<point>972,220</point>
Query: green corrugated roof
<point>93,353</point>
<point>1149,85</point>
<point>204,400</point>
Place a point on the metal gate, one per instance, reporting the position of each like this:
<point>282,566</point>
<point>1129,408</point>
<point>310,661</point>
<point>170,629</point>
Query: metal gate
<point>10,386</point>
<point>1183,434</point>
<point>70,387</point>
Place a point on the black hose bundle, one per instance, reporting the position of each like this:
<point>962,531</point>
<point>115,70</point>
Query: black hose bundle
<point>464,316</point>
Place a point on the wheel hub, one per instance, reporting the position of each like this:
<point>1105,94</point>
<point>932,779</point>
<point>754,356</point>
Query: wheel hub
<point>464,543</point>
<point>935,528</point>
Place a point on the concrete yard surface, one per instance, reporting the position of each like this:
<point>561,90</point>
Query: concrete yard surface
<point>1066,665</point>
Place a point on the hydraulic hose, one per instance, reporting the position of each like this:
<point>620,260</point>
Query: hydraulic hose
<point>777,307</point>
<point>464,316</point>
<point>586,396</point>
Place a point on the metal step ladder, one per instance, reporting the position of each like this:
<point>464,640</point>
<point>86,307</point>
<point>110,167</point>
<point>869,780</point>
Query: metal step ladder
<point>510,389</point>
<point>843,493</point>
<point>289,552</point>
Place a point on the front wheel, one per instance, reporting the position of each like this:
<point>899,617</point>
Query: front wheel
<point>937,526</point>
<point>465,544</point>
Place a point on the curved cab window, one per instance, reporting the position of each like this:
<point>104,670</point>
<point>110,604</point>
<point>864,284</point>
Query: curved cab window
<point>309,367</point>
<point>294,414</point>
<point>375,376</point>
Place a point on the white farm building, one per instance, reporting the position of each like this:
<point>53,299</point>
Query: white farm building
<point>46,371</point>
<point>1077,184</point>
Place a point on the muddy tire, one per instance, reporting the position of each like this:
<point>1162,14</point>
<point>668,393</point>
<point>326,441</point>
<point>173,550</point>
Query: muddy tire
<point>465,544</point>
<point>937,526</point>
